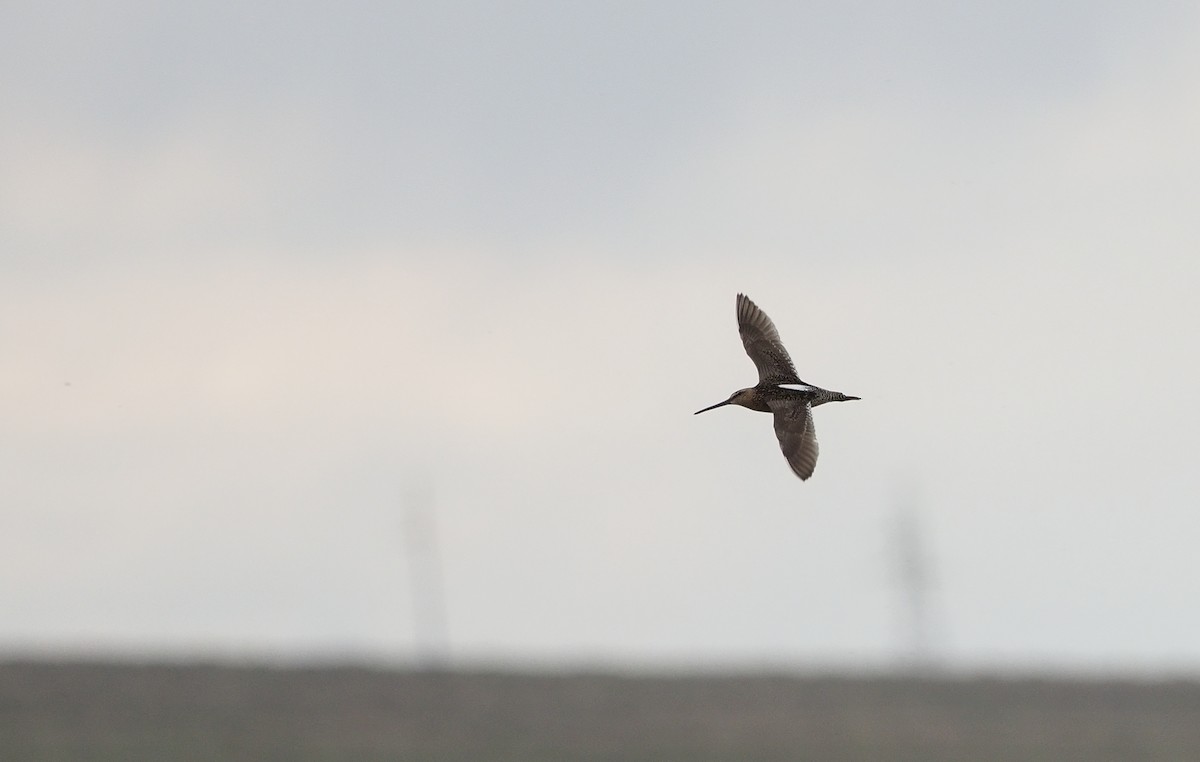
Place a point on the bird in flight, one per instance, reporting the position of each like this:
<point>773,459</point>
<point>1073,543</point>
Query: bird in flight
<point>779,390</point>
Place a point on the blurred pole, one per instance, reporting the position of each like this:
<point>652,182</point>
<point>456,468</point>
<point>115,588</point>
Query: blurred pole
<point>914,579</point>
<point>430,629</point>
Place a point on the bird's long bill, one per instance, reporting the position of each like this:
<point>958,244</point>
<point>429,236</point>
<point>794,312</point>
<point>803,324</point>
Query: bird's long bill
<point>712,407</point>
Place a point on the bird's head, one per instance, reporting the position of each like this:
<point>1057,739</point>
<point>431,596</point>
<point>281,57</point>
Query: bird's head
<point>740,397</point>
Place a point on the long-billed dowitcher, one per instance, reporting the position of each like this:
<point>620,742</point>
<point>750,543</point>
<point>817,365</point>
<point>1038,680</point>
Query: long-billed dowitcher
<point>779,390</point>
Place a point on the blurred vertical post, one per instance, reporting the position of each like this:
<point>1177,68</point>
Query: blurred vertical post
<point>430,628</point>
<point>914,577</point>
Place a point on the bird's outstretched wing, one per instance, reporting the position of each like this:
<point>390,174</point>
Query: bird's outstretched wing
<point>762,343</point>
<point>797,437</point>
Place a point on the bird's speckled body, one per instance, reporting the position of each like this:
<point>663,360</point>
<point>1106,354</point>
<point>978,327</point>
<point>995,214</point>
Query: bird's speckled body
<point>779,390</point>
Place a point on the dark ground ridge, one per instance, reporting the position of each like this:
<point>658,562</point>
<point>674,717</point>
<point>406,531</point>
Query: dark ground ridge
<point>87,710</point>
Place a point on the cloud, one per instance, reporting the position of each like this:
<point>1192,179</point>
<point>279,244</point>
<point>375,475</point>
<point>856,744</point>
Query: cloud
<point>244,309</point>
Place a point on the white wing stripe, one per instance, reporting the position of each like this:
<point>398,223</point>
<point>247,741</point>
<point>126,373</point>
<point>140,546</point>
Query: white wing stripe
<point>797,387</point>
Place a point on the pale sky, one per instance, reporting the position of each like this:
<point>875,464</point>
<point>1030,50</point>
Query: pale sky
<point>271,271</point>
